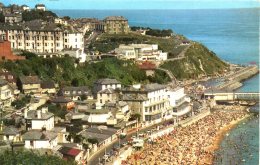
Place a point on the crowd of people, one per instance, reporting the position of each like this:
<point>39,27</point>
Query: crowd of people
<point>193,144</point>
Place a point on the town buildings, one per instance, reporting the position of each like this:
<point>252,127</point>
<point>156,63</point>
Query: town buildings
<point>42,37</point>
<point>141,52</point>
<point>116,25</point>
<point>13,18</point>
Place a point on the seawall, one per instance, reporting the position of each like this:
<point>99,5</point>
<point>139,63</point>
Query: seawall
<point>233,80</point>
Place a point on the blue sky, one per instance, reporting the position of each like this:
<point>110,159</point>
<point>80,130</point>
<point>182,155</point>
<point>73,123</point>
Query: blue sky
<point>138,4</point>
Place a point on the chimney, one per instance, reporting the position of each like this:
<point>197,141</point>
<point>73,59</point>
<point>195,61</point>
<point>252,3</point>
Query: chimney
<point>39,114</point>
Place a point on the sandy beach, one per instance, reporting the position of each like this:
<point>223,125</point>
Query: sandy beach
<point>193,144</point>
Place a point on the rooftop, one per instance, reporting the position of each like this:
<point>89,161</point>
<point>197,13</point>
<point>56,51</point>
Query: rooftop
<point>107,81</point>
<point>115,18</point>
<point>69,151</point>
<point>34,115</point>
<point>30,80</point>
<point>10,130</point>
<point>39,135</point>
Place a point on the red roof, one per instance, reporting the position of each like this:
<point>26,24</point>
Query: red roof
<point>73,152</point>
<point>147,65</point>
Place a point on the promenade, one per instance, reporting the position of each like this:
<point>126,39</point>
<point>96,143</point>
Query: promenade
<point>193,144</point>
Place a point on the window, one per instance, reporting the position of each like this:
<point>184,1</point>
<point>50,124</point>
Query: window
<point>31,143</point>
<point>66,40</point>
<point>45,44</point>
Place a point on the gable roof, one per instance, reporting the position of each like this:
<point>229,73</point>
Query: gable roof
<point>10,130</point>
<point>39,135</point>
<point>107,81</point>
<point>30,80</point>
<point>33,115</point>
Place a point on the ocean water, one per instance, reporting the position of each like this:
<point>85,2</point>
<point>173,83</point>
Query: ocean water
<point>240,146</point>
<point>233,34</point>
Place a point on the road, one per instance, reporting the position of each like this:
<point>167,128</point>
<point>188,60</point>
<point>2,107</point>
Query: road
<point>95,159</point>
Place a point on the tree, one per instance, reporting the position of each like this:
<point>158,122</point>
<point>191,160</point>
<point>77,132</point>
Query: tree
<point>93,140</point>
<point>136,116</point>
<point>66,18</point>
<point>24,157</point>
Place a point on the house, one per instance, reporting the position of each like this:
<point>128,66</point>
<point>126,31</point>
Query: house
<point>148,67</point>
<point>39,119</point>
<point>141,52</point>
<point>107,95</point>
<point>180,103</point>
<point>76,93</point>
<point>13,18</point>
<point>150,101</point>
<point>63,102</point>
<point>106,83</point>
<point>116,25</point>
<point>10,133</point>
<point>40,7</point>
<point>36,139</point>
<point>60,21</point>
<point>48,87</point>
<point>29,84</point>
<point>77,53</point>
<point>69,153</point>
<point>6,93</point>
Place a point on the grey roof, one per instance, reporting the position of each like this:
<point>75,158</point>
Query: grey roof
<point>115,18</point>
<point>33,115</point>
<point>39,135</point>
<point>47,84</point>
<point>10,130</point>
<point>30,80</point>
<point>100,134</point>
<point>154,87</point>
<point>134,97</point>
<point>107,81</point>
<point>107,91</point>
<point>60,99</point>
<point>39,5</point>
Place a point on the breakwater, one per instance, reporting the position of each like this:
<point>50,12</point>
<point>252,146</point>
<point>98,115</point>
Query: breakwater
<point>234,79</point>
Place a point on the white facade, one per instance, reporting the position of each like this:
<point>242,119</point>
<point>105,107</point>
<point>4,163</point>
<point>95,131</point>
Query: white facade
<point>60,21</point>
<point>36,144</point>
<point>51,41</point>
<point>47,123</point>
<point>76,53</point>
<point>157,106</point>
<point>141,52</point>
<point>98,118</point>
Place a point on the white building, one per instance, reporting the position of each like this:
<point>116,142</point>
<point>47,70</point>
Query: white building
<point>36,139</point>
<point>40,7</point>
<point>150,101</point>
<point>180,102</point>
<point>25,8</point>
<point>106,83</point>
<point>60,21</point>
<point>39,119</point>
<point>41,37</point>
<point>6,93</point>
<point>76,53</point>
<point>13,18</point>
<point>141,52</point>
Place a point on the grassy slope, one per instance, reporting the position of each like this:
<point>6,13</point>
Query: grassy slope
<point>199,61</point>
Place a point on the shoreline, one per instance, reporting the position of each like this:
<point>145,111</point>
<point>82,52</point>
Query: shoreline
<point>220,135</point>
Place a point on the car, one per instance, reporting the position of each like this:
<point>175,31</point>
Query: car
<point>141,135</point>
<point>123,144</point>
<point>18,113</point>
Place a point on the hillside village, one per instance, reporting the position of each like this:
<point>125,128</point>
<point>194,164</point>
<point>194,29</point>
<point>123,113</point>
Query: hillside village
<point>76,121</point>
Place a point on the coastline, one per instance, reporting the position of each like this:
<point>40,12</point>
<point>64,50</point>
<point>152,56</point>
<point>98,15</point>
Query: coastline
<point>222,133</point>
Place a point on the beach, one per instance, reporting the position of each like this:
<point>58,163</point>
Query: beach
<point>193,144</point>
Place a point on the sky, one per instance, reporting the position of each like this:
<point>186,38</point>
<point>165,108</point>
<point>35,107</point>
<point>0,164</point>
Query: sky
<point>138,4</point>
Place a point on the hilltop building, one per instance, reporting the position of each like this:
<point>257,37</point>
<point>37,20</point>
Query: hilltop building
<point>116,25</point>
<point>40,7</point>
<point>41,37</point>
<point>141,52</point>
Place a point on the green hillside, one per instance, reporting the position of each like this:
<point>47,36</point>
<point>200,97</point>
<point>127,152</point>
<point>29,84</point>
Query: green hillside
<point>198,61</point>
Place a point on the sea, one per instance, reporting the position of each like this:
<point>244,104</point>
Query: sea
<point>233,34</point>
